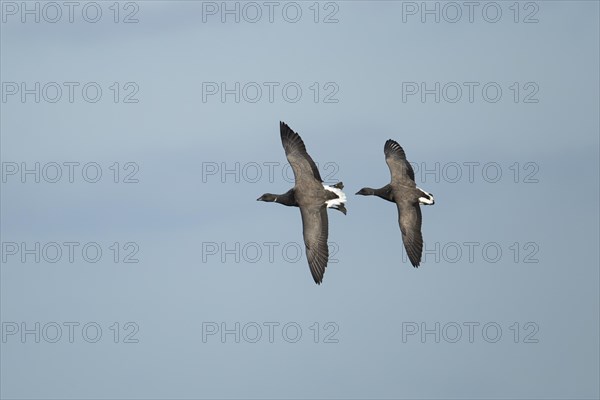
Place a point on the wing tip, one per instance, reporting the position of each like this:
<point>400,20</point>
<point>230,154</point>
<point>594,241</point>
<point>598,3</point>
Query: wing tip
<point>284,128</point>
<point>288,134</point>
<point>317,274</point>
<point>392,146</point>
<point>415,260</point>
<point>414,249</point>
<point>317,263</point>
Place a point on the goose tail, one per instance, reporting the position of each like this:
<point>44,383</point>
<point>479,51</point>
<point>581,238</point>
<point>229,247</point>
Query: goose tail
<point>336,202</point>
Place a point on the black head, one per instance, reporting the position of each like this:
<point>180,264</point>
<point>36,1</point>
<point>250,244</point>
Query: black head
<point>267,197</point>
<point>365,192</point>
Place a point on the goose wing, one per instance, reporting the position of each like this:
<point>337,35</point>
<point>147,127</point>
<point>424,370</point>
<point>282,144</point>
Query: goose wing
<point>302,164</point>
<point>409,219</point>
<point>400,169</point>
<point>315,228</point>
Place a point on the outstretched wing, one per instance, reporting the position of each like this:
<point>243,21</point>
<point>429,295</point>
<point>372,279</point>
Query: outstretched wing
<point>303,166</point>
<point>409,218</point>
<point>315,228</point>
<point>401,170</point>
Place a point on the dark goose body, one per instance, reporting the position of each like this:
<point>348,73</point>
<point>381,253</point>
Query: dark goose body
<point>403,191</point>
<point>312,197</point>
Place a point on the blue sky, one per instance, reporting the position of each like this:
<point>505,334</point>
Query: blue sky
<point>516,251</point>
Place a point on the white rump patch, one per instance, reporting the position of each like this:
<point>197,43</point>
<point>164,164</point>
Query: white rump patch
<point>335,202</point>
<point>425,200</point>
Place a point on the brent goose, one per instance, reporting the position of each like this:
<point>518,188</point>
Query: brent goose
<point>312,196</point>
<point>403,191</point>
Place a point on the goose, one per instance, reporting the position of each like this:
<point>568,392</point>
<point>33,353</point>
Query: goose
<point>403,191</point>
<point>313,197</point>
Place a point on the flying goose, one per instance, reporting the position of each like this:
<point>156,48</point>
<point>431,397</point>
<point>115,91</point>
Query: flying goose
<point>313,198</point>
<point>403,191</point>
